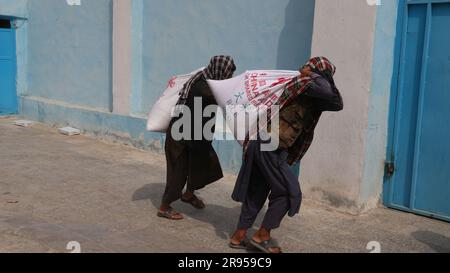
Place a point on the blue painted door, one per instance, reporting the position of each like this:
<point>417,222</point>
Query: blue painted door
<point>420,138</point>
<point>8,96</point>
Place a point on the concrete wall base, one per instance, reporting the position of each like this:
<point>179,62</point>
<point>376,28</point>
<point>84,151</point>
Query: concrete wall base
<point>108,126</point>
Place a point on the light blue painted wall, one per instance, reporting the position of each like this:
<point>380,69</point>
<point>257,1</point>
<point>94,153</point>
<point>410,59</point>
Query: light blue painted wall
<point>69,52</point>
<point>382,78</point>
<point>181,35</point>
<point>69,55</point>
<point>16,8</point>
<point>137,22</point>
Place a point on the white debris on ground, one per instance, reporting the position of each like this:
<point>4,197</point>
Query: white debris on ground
<point>69,131</point>
<point>23,123</point>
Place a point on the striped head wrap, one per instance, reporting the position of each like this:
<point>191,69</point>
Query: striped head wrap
<point>219,68</point>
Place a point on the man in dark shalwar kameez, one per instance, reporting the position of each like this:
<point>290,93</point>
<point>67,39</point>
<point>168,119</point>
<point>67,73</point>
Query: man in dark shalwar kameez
<point>193,162</point>
<point>266,174</point>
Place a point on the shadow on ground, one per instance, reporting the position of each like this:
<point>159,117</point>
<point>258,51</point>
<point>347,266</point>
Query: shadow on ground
<point>223,219</point>
<point>436,241</point>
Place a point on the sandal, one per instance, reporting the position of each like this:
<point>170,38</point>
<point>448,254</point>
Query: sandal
<point>265,246</point>
<point>170,214</point>
<point>244,244</point>
<point>195,202</point>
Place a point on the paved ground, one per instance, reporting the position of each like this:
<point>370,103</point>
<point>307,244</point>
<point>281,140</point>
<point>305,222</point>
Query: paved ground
<point>55,189</point>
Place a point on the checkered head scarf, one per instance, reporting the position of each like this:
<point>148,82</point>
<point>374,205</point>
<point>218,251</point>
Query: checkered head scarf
<point>321,64</point>
<point>219,68</point>
<point>299,84</point>
<point>323,67</point>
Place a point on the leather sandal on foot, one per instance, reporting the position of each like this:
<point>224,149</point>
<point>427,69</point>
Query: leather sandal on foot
<point>244,244</point>
<point>170,214</point>
<point>195,202</point>
<point>265,246</point>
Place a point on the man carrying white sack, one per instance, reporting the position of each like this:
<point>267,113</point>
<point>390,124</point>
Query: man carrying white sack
<point>266,174</point>
<point>192,162</point>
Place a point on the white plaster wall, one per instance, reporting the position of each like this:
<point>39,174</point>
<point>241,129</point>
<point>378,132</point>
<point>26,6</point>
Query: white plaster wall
<point>382,76</point>
<point>332,171</point>
<point>122,57</point>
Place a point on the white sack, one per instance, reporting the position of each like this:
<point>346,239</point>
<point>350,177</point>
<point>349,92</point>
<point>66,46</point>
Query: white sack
<point>160,114</point>
<point>246,92</point>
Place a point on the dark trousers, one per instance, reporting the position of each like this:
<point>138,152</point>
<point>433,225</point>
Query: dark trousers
<point>268,179</point>
<point>177,159</point>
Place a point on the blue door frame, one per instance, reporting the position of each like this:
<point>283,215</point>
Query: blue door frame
<point>418,185</point>
<point>8,92</point>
